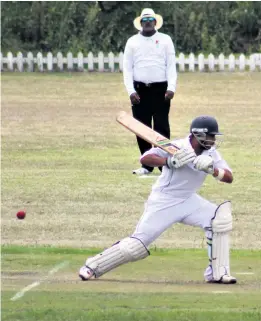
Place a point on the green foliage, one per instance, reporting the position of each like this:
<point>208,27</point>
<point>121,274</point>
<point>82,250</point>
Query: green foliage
<point>106,25</point>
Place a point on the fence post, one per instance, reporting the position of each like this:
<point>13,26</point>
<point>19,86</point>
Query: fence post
<point>252,63</point>
<point>201,65</point>
<point>50,61</point>
<point>90,61</point>
<point>69,61</point>
<point>80,66</point>
<point>181,62</point>
<point>221,62</point>
<point>191,62</point>
<point>258,61</point>
<point>30,62</point>
<point>60,61</point>
<point>121,61</point>
<point>111,61</point>
<point>40,61</point>
<point>20,62</point>
<point>211,62</point>
<point>100,61</point>
<point>231,62</point>
<point>10,64</point>
<point>242,62</point>
<point>1,60</point>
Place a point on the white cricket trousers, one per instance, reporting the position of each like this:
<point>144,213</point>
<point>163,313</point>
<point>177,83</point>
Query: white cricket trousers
<point>162,211</point>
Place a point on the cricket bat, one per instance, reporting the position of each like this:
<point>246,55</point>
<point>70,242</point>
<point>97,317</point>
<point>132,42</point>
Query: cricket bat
<point>146,132</point>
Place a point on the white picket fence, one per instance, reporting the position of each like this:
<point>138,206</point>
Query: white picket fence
<point>112,63</point>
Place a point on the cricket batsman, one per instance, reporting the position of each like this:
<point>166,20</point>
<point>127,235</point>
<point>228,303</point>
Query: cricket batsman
<point>174,199</point>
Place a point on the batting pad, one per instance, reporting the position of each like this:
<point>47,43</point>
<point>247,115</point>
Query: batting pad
<point>127,250</point>
<point>221,227</point>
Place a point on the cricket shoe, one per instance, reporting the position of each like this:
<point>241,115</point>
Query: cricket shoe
<point>85,273</point>
<point>226,279</point>
<point>141,171</point>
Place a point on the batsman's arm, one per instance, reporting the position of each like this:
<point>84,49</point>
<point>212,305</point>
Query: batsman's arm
<point>223,175</point>
<point>153,160</point>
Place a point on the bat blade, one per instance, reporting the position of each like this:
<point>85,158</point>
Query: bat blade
<point>146,132</point>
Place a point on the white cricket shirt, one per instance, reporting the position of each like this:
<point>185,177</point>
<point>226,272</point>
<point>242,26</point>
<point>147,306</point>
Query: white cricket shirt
<point>149,59</point>
<point>182,182</point>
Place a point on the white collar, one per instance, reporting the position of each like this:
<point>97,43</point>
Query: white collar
<point>155,34</point>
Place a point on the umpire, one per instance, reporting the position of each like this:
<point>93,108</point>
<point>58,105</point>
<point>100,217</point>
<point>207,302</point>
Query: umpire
<point>149,71</point>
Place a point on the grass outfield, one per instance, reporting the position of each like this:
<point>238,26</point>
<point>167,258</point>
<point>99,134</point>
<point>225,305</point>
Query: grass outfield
<point>166,286</point>
<point>68,163</point>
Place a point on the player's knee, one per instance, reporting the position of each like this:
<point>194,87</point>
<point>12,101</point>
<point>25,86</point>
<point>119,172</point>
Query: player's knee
<point>222,221</point>
<point>133,249</point>
<point>146,238</point>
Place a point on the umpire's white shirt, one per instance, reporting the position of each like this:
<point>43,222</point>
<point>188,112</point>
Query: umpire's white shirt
<point>149,60</point>
<point>181,183</point>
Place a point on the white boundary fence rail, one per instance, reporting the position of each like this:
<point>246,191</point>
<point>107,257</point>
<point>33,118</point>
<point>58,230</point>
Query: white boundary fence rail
<point>112,62</point>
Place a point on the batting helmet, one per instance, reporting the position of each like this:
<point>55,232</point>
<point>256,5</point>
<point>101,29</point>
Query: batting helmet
<point>204,125</point>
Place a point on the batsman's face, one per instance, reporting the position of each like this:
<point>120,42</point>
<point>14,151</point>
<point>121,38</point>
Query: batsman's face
<point>210,141</point>
<point>206,141</point>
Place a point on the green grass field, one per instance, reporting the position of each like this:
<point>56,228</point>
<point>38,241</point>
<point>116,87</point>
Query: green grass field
<point>164,286</point>
<point>68,163</point>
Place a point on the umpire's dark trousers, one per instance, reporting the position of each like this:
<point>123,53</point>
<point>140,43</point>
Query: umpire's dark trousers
<point>152,106</point>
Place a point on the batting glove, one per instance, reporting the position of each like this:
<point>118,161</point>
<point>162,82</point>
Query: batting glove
<point>204,163</point>
<point>181,158</point>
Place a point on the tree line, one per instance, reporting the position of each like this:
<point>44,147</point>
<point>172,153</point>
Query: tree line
<point>207,27</point>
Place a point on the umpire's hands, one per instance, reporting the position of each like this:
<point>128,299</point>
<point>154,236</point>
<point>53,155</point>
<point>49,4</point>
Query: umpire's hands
<point>181,158</point>
<point>169,95</point>
<point>135,98</point>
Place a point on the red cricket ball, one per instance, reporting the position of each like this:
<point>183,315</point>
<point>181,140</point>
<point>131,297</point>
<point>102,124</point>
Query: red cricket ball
<point>20,215</point>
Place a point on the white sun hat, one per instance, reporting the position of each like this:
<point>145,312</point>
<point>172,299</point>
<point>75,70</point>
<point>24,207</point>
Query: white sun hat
<point>148,13</point>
